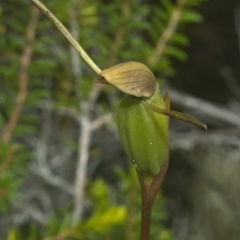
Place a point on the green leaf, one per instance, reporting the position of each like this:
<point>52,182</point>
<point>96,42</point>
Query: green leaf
<point>100,222</point>
<point>167,5</point>
<point>36,95</point>
<point>175,52</point>
<point>22,129</point>
<point>179,39</point>
<point>190,16</point>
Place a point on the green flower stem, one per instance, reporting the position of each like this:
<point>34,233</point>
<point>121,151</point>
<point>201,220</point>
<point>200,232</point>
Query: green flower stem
<point>149,193</point>
<point>146,217</point>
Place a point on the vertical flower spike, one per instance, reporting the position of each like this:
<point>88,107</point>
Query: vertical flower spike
<point>142,116</point>
<point>143,132</point>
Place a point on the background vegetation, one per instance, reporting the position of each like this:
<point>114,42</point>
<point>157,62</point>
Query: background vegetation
<point>63,173</point>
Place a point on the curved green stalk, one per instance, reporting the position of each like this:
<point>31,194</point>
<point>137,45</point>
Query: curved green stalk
<point>175,114</point>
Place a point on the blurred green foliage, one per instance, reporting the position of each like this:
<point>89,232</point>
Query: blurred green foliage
<point>110,219</point>
<point>51,79</point>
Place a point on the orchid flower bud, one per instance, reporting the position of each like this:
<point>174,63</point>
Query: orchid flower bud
<point>143,115</point>
<point>144,133</point>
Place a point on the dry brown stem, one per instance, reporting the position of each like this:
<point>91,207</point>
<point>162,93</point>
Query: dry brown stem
<point>149,194</point>
<point>23,76</point>
<point>163,39</point>
<point>66,34</point>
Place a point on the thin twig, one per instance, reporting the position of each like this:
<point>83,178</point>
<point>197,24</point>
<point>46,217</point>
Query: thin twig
<point>83,153</point>
<point>47,105</point>
<point>163,39</point>
<point>98,122</point>
<point>23,76</point>
<point>41,168</point>
<point>66,34</point>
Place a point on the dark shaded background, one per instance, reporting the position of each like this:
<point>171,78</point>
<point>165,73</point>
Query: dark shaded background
<point>214,44</point>
<point>202,184</point>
